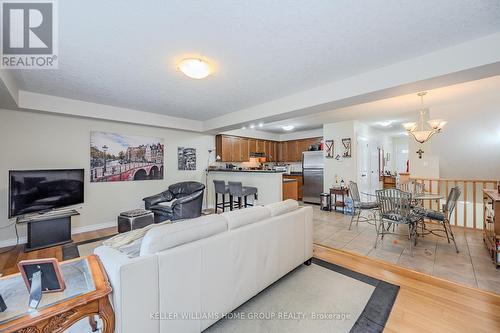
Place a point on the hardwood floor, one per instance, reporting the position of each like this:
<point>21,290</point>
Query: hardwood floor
<point>424,303</point>
<point>9,259</point>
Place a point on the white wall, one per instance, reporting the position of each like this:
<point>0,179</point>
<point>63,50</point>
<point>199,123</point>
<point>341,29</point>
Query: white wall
<point>258,134</point>
<point>469,146</point>
<point>254,133</point>
<point>400,153</point>
<point>30,140</point>
<point>301,135</point>
<point>345,168</point>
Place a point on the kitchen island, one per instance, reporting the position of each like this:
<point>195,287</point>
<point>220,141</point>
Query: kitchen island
<point>269,183</point>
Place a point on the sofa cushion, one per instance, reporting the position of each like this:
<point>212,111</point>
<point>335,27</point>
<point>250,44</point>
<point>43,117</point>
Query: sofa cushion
<point>182,232</point>
<point>166,203</point>
<point>282,207</point>
<point>242,217</point>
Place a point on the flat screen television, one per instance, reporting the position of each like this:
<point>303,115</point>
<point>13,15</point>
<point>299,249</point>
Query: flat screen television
<point>32,191</point>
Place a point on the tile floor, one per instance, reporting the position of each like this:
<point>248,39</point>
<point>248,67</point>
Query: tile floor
<point>432,255</point>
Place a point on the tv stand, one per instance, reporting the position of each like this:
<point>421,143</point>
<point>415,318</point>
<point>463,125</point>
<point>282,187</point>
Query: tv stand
<point>48,229</point>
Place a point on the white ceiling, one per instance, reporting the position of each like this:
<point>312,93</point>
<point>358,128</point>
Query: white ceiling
<point>396,110</point>
<point>123,53</point>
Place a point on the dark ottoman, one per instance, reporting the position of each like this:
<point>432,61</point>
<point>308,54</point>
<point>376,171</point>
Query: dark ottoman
<point>134,219</point>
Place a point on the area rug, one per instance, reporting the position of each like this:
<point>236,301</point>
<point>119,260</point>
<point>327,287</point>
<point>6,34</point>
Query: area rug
<point>81,249</point>
<point>319,298</point>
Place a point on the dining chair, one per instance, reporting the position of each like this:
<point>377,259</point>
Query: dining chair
<point>395,209</point>
<point>359,206</point>
<point>443,217</point>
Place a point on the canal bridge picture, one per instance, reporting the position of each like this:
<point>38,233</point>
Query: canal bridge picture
<point>117,157</point>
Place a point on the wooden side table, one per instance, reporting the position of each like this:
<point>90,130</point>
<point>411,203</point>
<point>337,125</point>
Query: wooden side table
<point>86,295</point>
<point>341,192</point>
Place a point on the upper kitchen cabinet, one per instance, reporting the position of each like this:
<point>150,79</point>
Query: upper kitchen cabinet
<point>261,146</point>
<point>293,151</point>
<point>283,151</point>
<point>252,145</point>
<point>236,149</point>
<point>245,149</point>
<point>239,149</point>
<point>224,148</point>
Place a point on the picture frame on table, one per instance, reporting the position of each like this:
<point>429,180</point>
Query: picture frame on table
<point>51,277</point>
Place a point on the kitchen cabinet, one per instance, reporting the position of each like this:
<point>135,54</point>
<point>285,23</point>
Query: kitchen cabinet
<point>293,150</point>
<point>239,149</point>
<point>290,189</point>
<point>261,146</point>
<point>224,148</point>
<point>283,154</point>
<point>244,147</point>
<point>274,151</point>
<point>300,183</point>
<point>252,146</point>
<point>236,149</point>
<point>271,155</point>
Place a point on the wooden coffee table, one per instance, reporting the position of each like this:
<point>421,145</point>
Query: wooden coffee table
<point>86,295</point>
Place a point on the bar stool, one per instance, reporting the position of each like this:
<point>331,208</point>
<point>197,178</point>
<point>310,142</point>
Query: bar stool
<point>222,189</point>
<point>237,190</point>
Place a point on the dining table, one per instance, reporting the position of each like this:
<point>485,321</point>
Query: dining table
<point>428,197</point>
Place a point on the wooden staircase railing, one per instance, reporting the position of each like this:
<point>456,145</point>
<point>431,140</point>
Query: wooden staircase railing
<point>469,210</point>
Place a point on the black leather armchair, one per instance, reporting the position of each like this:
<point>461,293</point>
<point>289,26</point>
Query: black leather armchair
<point>188,202</point>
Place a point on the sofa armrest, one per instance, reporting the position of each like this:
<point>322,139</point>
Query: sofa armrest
<point>135,289</point>
<point>157,198</point>
<point>308,232</point>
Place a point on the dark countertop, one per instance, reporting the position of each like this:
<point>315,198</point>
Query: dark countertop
<point>251,171</point>
<point>293,174</point>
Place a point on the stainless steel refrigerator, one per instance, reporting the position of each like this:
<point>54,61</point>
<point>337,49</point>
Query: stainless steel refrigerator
<point>312,170</point>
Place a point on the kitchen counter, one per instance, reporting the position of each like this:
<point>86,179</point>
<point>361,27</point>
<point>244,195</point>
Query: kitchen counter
<point>251,171</point>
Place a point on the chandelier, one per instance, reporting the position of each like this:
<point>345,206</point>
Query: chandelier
<point>424,129</point>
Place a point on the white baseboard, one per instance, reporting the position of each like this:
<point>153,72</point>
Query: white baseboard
<point>77,230</point>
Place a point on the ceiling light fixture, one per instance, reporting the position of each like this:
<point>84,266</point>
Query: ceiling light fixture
<point>287,127</point>
<point>194,68</point>
<point>261,124</point>
<point>420,132</point>
<point>252,126</point>
<point>244,127</point>
<point>385,123</point>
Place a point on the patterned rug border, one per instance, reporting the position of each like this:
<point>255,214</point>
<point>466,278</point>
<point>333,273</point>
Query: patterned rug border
<point>70,251</point>
<point>379,306</point>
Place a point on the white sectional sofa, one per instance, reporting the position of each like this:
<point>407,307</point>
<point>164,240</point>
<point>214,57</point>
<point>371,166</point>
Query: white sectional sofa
<point>191,272</point>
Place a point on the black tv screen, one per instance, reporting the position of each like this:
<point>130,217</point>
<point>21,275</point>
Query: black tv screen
<point>33,191</point>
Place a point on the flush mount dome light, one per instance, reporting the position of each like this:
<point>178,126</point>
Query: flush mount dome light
<point>194,68</point>
<point>385,123</point>
<point>287,127</point>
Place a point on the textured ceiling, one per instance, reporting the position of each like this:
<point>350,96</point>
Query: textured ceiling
<point>396,110</point>
<point>123,53</point>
